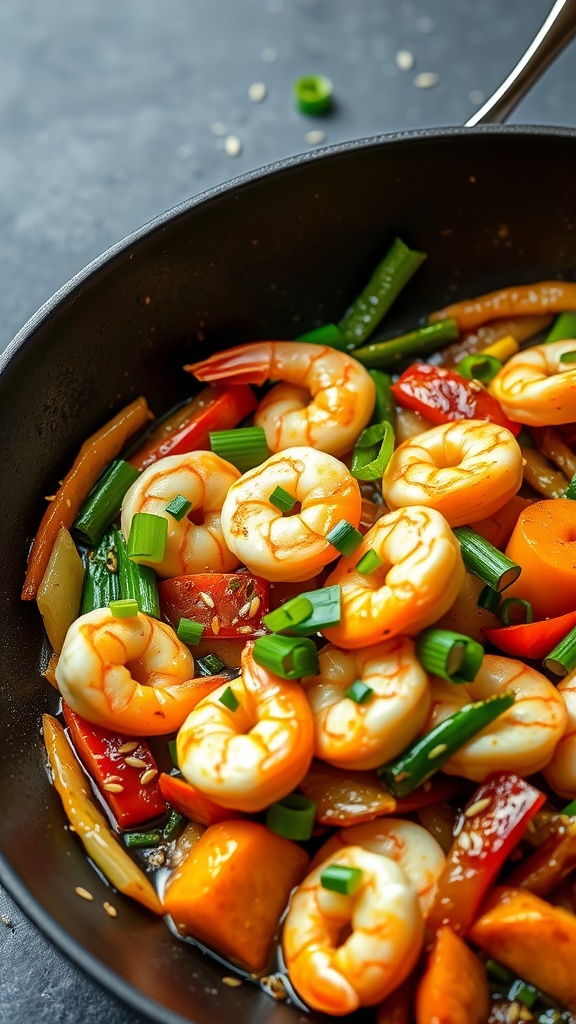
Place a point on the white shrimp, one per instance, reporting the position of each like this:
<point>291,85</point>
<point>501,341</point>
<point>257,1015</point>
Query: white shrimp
<point>560,772</point>
<point>535,387</point>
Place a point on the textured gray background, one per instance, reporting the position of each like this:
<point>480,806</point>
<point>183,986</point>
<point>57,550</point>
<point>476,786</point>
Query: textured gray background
<point>107,115</point>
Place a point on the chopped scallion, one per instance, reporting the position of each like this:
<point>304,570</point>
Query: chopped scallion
<point>449,655</point>
<point>385,403</point>
<point>479,366</point>
<point>189,631</point>
<point>373,451</point>
<point>498,972</point>
<point>172,749</point>
<point>289,657</point>
<point>282,500</point>
<point>136,581</point>
<point>568,357</point>
<point>571,489</point>
<point>209,665</point>
<point>229,699</point>
<point>327,334</point>
<point>289,614</point>
<point>140,840</point>
<point>325,611</point>
<point>369,562</point>
<point>562,659</point>
<point>101,582</point>
<point>124,608</point>
<point>418,342</point>
<point>488,599</point>
<point>563,328</point>
<point>359,692</point>
<point>486,561</point>
<point>341,878</point>
<point>147,540</point>
<point>344,537</point>
<point>244,447</point>
<point>313,94</point>
<point>523,992</point>
<point>570,809</point>
<point>174,825</point>
<point>179,507</point>
<point>104,501</point>
<point>515,611</point>
<point>292,817</point>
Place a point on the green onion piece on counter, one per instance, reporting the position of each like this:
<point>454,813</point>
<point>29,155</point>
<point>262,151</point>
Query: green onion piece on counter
<point>104,501</point>
<point>449,655</point>
<point>189,631</point>
<point>344,537</point>
<point>428,753</point>
<point>174,825</point>
<point>291,613</point>
<point>488,599</point>
<point>326,611</point>
<point>101,582</point>
<point>515,611</point>
<point>369,562</point>
<point>289,657</point>
<point>386,283</point>
<point>497,972</point>
<point>563,328</point>
<point>568,357</point>
<point>385,403</point>
<point>140,840</point>
<point>477,366</point>
<point>173,753</point>
<point>244,447</point>
<point>486,561</point>
<point>282,500</point>
<point>313,94</point>
<point>569,810</point>
<point>124,608</point>
<point>147,540</point>
<point>562,659</point>
<point>571,489</point>
<point>178,507</point>
<point>341,878</point>
<point>209,665</point>
<point>359,692</point>
<point>328,334</point>
<point>136,581</point>
<point>373,451</point>
<point>523,992</point>
<point>418,342</point>
<point>229,699</point>
<point>292,817</point>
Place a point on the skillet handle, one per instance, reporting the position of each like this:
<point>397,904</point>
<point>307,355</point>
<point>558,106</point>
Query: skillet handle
<point>555,34</point>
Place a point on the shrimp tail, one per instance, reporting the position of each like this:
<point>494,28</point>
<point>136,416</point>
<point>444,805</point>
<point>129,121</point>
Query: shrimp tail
<point>244,364</point>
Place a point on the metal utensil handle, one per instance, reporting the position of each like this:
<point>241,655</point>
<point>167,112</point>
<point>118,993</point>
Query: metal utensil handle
<point>556,32</point>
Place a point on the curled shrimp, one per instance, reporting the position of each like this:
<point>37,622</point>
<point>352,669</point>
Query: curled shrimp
<point>535,387</point>
<point>560,772</point>
<point>420,576</point>
<point>343,952</point>
<point>325,399</point>
<point>132,674</point>
<point>523,739</point>
<point>365,735</point>
<point>467,470</point>
<point>192,546</point>
<point>247,758</point>
<point>409,844</point>
<point>293,547</point>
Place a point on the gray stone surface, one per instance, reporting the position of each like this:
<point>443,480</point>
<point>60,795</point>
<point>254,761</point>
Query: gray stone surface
<point>108,116</point>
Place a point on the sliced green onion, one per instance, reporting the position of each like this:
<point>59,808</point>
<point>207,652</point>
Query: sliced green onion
<point>124,608</point>
<point>103,502</point>
<point>428,753</point>
<point>282,500</point>
<point>419,342</point>
<point>498,972</point>
<point>178,507</point>
<point>326,611</point>
<point>571,489</point>
<point>563,328</point>
<point>515,611</point>
<point>174,825</point>
<point>172,749</point>
<point>478,366</point>
<point>290,614</point>
<point>570,809</point>
<point>373,451</point>
<point>209,665</point>
<point>568,357</point>
<point>486,561</point>
<point>313,94</point>
<point>140,840</point>
<point>488,599</point>
<point>101,582</point>
<point>562,659</point>
<point>385,403</point>
<point>136,581</point>
<point>289,657</point>
<point>328,334</point>
<point>449,655</point>
<point>229,699</point>
<point>344,537</point>
<point>292,817</point>
<point>341,878</point>
<point>244,447</point>
<point>189,631</point>
<point>147,540</point>
<point>525,439</point>
<point>386,283</point>
<point>369,562</point>
<point>523,992</point>
<point>359,692</point>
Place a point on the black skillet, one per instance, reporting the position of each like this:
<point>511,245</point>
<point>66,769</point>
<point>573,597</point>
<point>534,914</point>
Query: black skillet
<point>271,254</point>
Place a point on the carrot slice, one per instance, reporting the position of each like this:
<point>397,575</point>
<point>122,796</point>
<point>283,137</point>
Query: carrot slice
<point>455,979</point>
<point>543,544</point>
<point>94,455</point>
<point>521,300</point>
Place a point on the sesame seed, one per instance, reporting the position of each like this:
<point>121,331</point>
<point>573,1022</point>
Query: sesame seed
<point>216,625</point>
<point>128,747</point>
<point>135,762</point>
<point>49,497</point>
<point>243,611</point>
<point>257,92</point>
<point>405,60</point>
<point>464,841</point>
<point>232,982</point>
<point>476,840</point>
<point>232,145</point>
<point>437,751</point>
<point>254,606</point>
<point>148,776</point>
<point>479,806</point>
<point>6,920</point>
<point>426,80</point>
<point>83,893</point>
<point>315,137</point>
<point>244,629</point>
<point>110,910</point>
<point>113,787</point>
<point>208,600</point>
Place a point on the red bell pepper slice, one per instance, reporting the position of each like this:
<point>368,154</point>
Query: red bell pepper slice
<point>442,396</point>
<point>491,825</point>
<point>531,639</point>
<point>193,804</point>
<point>217,407</point>
<point>229,605</point>
<point>123,768</point>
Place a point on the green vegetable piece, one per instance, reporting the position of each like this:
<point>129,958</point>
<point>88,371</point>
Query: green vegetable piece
<point>141,840</point>
<point>124,608</point>
<point>292,817</point>
<point>562,659</point>
<point>147,540</point>
<point>385,403</point>
<point>373,451</point>
<point>282,500</point>
<point>449,655</point>
<point>563,328</point>
<point>488,599</point>
<point>189,631</point>
<point>417,343</point>
<point>179,507</point>
<point>287,656</point>
<point>313,94</point>
<point>369,562</point>
<point>328,334</point>
<point>244,447</point>
<point>344,537</point>
<point>290,614</point>
<point>359,692</point>
<point>104,501</point>
<point>341,878</point>
<point>515,611</point>
<point>173,826</point>
<point>209,665</point>
<point>479,367</point>
<point>571,489</point>
<point>568,357</point>
<point>486,561</point>
<point>229,699</point>
<point>136,581</point>
<point>101,582</point>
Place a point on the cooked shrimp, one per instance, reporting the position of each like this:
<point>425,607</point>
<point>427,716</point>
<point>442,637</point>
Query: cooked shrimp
<point>293,547</point>
<point>535,388</point>
<point>343,952</point>
<point>325,399</point>
<point>405,842</point>
<point>362,736</point>
<point>193,544</point>
<point>560,772</point>
<point>132,674</point>
<point>248,758</point>
<point>467,470</point>
<point>420,576</point>
<point>523,739</point>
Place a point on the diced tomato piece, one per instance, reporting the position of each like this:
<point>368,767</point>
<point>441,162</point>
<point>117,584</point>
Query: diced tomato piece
<point>442,396</point>
<point>532,639</point>
<point>193,804</point>
<point>227,604</point>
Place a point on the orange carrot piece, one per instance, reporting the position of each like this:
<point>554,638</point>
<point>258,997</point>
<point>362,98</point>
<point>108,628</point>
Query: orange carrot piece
<point>521,328</point>
<point>520,300</point>
<point>533,938</point>
<point>454,982</point>
<point>541,543</point>
<point>232,889</point>
<point>94,455</point>
<point>497,529</point>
